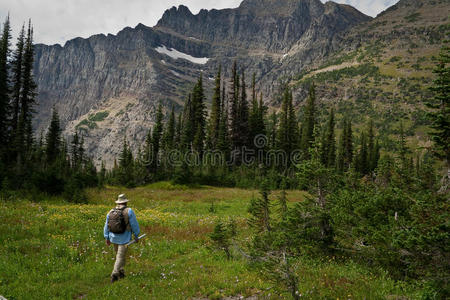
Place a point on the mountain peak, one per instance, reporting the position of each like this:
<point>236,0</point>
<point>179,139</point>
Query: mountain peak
<point>280,7</point>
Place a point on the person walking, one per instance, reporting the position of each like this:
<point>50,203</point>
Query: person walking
<point>120,224</point>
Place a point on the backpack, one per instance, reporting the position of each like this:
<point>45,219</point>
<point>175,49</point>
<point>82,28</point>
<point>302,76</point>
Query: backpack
<point>117,221</point>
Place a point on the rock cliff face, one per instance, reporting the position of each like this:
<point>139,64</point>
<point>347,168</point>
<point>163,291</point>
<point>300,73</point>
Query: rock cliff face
<point>123,77</point>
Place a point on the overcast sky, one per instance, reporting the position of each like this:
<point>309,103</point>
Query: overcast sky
<point>56,21</point>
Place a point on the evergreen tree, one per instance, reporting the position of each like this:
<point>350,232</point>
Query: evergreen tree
<point>328,145</point>
<point>361,160</point>
<point>156,138</point>
<point>288,127</point>
<point>178,130</point>
<point>234,109</point>
<point>243,115</point>
<point>187,136</point>
<point>402,147</point>
<point>259,210</point>
<point>214,120</point>
<point>199,114</point>
<point>440,107</point>
<point>272,130</point>
<point>17,64</point>
<point>223,143</point>
<point>27,96</point>
<point>4,85</point>
<point>74,150</point>
<point>309,122</point>
<point>169,132</point>
<point>53,139</point>
<point>371,147</point>
<point>347,143</point>
<point>126,165</point>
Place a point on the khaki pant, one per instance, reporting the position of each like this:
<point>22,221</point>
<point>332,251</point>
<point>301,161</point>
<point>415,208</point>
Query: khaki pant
<point>121,252</point>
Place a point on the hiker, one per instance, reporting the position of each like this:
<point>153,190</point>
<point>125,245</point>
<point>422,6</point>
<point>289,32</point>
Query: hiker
<point>120,224</point>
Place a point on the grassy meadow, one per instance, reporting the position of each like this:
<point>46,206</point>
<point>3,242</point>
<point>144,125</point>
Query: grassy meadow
<point>51,249</point>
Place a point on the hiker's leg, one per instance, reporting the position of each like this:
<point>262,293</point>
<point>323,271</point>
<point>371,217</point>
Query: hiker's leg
<point>120,259</point>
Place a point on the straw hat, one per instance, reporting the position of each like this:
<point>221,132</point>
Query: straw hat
<point>122,199</point>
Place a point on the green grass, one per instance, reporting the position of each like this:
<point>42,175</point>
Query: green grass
<point>55,250</point>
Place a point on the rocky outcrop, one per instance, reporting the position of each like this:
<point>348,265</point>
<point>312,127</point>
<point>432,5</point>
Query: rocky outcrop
<point>145,66</point>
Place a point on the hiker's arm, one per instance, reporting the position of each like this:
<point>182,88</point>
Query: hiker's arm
<point>133,223</point>
<point>106,230</point>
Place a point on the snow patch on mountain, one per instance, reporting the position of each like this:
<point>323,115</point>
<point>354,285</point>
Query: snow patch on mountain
<point>175,54</point>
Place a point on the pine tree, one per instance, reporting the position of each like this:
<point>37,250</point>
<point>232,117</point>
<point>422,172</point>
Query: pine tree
<point>53,139</point>
<point>169,132</point>
<point>214,120</point>
<point>187,136</point>
<point>234,109</point>
<point>331,141</point>
<point>126,170</point>
<point>328,144</point>
<point>4,85</point>
<point>243,115</point>
<point>440,107</point>
<point>272,130</point>
<point>348,143</point>
<point>178,131</point>
<point>148,155</point>
<point>361,160</point>
<point>373,148</point>
<point>74,150</point>
<point>199,114</point>
<point>254,113</point>
<point>402,147</point>
<point>17,65</point>
<point>309,122</point>
<point>288,127</point>
<point>27,95</point>
<point>223,143</point>
<point>259,210</point>
<point>156,137</point>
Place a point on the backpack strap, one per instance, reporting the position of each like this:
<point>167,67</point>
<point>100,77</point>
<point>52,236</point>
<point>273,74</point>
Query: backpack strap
<point>126,217</point>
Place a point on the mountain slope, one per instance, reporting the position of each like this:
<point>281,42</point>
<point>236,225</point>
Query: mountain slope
<point>353,59</point>
<point>382,69</point>
<point>125,76</point>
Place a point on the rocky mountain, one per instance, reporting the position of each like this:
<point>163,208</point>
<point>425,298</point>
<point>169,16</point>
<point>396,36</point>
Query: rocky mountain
<point>108,86</point>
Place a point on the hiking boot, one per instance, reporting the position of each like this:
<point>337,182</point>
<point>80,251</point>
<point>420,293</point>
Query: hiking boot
<point>114,278</point>
<point>121,274</point>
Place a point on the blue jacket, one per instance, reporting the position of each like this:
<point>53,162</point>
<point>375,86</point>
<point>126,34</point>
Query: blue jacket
<point>122,238</point>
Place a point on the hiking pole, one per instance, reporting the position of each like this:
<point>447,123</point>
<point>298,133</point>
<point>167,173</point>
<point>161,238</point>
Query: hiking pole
<point>134,241</point>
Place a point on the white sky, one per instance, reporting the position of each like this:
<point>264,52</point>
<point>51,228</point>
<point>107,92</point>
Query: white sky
<point>56,21</point>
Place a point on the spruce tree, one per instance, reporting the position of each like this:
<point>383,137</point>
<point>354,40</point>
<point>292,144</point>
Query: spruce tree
<point>272,130</point>
<point>214,120</point>
<point>28,93</point>
<point>169,132</point>
<point>4,85</point>
<point>234,109</point>
<point>199,114</point>
<point>244,115</point>
<point>440,107</point>
<point>223,143</point>
<point>331,141</point>
<point>361,160</point>
<point>53,139</point>
<point>309,122</point>
<point>187,136</point>
<point>348,143</point>
<point>328,144</point>
<point>288,127</point>
<point>17,65</point>
<point>156,137</point>
<point>371,146</point>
